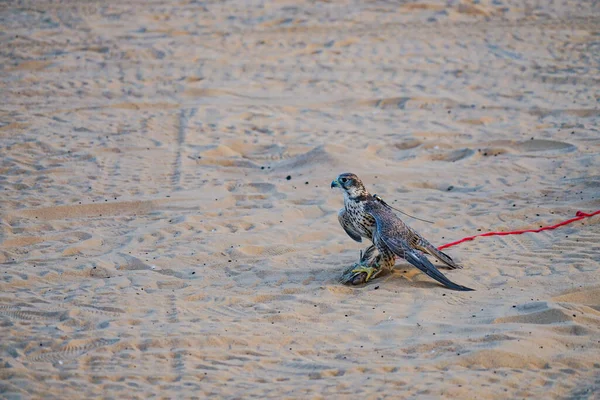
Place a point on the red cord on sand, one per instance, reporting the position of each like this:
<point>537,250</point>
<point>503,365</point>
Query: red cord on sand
<point>579,215</point>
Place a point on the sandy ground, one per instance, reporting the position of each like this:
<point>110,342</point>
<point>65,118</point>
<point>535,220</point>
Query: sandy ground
<point>151,244</point>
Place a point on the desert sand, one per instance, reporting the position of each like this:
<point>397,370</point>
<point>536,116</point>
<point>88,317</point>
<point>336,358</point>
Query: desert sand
<point>168,229</point>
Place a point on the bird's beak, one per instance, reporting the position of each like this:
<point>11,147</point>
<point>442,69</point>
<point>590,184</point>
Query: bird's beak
<point>335,183</point>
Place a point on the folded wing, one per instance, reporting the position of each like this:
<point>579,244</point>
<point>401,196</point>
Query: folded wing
<point>347,225</point>
<point>389,233</point>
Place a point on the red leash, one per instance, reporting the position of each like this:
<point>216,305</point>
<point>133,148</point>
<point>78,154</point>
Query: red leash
<point>579,215</point>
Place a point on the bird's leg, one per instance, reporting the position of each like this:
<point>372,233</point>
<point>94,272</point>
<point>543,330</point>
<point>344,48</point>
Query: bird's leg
<point>369,267</point>
<point>367,255</point>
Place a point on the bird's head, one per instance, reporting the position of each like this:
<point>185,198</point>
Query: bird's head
<point>350,185</point>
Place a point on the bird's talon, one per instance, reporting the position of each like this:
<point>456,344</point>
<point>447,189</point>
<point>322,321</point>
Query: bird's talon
<point>358,274</point>
<point>368,270</point>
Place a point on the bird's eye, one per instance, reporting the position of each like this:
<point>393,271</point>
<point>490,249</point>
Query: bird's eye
<point>344,180</point>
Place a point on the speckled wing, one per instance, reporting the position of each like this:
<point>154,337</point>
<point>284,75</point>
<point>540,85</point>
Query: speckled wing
<point>344,219</point>
<point>390,232</point>
<point>418,242</point>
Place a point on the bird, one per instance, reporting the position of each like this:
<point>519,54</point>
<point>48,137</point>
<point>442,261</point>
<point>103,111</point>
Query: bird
<point>368,216</point>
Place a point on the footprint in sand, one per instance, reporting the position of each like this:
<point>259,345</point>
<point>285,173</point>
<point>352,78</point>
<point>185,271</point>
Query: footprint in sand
<point>581,306</point>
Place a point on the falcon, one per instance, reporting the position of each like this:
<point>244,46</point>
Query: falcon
<point>368,216</point>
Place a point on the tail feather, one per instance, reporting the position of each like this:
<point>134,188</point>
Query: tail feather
<point>440,255</point>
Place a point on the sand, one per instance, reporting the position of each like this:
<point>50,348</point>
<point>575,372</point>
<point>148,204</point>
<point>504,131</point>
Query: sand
<point>168,230</point>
